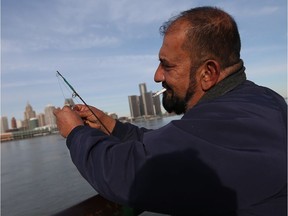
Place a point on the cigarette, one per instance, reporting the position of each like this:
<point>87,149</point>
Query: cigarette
<point>159,92</point>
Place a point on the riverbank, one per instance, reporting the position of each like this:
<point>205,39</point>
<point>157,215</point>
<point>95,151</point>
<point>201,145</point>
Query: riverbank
<point>27,134</point>
<point>44,131</point>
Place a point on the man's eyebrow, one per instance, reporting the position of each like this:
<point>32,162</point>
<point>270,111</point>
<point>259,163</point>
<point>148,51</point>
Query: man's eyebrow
<point>163,60</point>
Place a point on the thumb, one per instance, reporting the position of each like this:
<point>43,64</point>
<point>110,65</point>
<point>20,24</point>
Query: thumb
<point>92,124</point>
<point>84,113</point>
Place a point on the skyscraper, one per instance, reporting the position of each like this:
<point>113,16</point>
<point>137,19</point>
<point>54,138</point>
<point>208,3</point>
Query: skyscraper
<point>4,124</point>
<point>145,104</point>
<point>50,119</point>
<point>149,104</point>
<point>157,105</point>
<point>134,105</point>
<point>41,119</point>
<point>28,114</point>
<point>13,123</point>
<point>69,102</point>
<point>143,90</point>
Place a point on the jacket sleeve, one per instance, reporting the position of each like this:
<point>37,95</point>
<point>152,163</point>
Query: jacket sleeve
<point>108,163</point>
<point>127,131</point>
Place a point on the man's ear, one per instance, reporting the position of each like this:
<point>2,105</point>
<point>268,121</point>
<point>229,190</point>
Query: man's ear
<point>209,74</point>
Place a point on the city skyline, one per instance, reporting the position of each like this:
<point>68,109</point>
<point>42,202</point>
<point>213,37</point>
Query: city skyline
<point>106,47</point>
<point>149,106</point>
<point>44,117</point>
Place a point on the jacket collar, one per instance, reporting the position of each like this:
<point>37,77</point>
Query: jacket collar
<point>226,85</point>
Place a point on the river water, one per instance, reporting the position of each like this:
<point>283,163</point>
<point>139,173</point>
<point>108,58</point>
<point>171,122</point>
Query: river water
<point>38,177</point>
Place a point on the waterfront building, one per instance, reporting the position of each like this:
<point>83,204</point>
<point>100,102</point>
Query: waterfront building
<point>149,109</point>
<point>143,107</point>
<point>13,123</point>
<point>145,104</point>
<point>134,105</point>
<point>50,119</point>
<point>33,123</point>
<point>113,115</point>
<point>146,101</point>
<point>69,102</point>
<point>28,114</point>
<point>157,105</point>
<point>41,119</point>
<point>4,124</point>
<point>19,123</point>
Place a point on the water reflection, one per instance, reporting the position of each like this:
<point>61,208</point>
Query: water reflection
<point>39,178</point>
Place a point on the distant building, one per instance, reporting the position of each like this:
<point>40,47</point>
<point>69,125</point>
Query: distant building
<point>33,123</point>
<point>113,115</point>
<point>4,124</point>
<point>134,105</point>
<point>13,123</point>
<point>19,124</point>
<point>157,105</point>
<point>41,119</point>
<point>50,118</point>
<point>69,102</point>
<point>28,114</point>
<point>148,104</point>
<point>145,104</point>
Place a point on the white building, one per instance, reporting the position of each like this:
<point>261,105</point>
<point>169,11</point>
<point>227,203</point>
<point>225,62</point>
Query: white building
<point>50,118</point>
<point>4,124</point>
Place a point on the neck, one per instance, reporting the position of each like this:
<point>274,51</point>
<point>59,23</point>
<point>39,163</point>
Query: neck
<point>230,70</point>
<point>235,75</point>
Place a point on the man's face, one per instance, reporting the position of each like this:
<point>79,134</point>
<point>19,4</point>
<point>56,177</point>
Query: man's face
<point>174,72</point>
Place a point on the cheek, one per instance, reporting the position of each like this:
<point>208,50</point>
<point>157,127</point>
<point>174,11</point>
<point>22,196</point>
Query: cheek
<point>177,88</point>
<point>178,81</point>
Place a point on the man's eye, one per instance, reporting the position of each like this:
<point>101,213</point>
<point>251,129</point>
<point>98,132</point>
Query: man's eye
<point>167,66</point>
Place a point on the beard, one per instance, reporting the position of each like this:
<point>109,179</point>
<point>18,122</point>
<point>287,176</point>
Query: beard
<point>172,102</point>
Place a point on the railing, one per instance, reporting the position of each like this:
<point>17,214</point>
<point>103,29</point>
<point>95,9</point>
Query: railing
<point>98,206</point>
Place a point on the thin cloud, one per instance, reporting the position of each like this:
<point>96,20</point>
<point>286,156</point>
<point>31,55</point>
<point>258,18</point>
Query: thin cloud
<point>251,8</point>
<point>105,48</point>
<point>21,84</point>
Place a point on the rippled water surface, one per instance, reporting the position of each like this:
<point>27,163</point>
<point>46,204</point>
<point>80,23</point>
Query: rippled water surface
<point>39,178</point>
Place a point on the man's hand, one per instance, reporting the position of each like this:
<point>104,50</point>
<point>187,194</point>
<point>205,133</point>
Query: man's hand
<point>89,119</point>
<point>67,120</point>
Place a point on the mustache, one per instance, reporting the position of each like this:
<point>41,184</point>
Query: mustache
<point>165,85</point>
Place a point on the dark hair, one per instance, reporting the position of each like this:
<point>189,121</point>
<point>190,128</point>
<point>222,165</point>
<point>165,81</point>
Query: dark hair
<point>211,33</point>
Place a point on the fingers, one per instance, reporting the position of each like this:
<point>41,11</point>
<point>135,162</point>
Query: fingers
<point>92,124</point>
<point>58,110</point>
<point>80,107</point>
<point>86,113</point>
<point>66,120</point>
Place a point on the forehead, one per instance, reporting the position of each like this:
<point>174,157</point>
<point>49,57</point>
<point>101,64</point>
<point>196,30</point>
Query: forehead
<point>172,46</point>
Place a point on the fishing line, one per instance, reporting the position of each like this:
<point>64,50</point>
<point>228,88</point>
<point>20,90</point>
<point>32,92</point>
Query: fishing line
<point>75,94</point>
<point>67,89</point>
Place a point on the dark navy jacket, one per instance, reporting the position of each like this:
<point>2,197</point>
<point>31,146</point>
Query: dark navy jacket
<point>226,156</point>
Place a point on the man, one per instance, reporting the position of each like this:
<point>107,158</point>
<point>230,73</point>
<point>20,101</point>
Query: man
<point>225,156</point>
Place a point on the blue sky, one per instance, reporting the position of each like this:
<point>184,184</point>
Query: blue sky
<point>106,48</point>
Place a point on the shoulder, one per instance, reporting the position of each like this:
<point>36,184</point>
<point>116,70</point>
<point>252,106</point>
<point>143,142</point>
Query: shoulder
<point>247,97</point>
<point>247,108</point>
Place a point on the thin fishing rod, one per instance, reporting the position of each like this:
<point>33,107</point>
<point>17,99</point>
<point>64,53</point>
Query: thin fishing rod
<point>75,94</point>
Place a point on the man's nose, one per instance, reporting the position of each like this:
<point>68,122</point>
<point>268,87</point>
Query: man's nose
<point>159,75</point>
